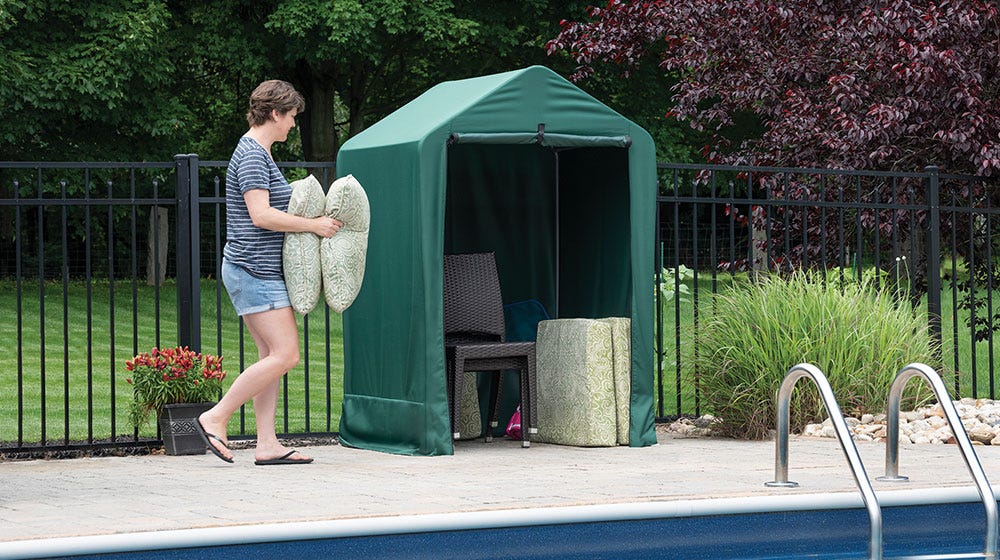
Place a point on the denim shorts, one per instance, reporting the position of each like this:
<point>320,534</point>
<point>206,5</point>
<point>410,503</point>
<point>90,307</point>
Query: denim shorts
<point>250,294</point>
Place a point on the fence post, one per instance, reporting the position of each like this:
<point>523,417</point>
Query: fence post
<point>188,253</point>
<point>658,298</point>
<point>934,254</point>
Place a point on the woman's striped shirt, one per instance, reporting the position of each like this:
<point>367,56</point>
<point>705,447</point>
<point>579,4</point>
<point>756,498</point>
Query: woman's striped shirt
<point>258,250</point>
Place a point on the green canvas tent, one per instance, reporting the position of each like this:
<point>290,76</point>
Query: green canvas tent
<point>523,164</point>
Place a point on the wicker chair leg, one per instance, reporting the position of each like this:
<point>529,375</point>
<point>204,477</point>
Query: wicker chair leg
<point>449,368</point>
<point>525,408</point>
<point>532,395</point>
<point>458,374</point>
<point>496,394</point>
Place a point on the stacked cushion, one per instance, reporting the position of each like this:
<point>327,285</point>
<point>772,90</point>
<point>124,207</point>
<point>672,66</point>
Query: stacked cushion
<point>470,421</point>
<point>334,266</point>
<point>621,347</point>
<point>575,371</point>
<point>343,255</point>
<point>584,373</point>
<point>303,274</point>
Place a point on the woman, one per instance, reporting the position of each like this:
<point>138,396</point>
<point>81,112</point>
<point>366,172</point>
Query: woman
<point>257,197</point>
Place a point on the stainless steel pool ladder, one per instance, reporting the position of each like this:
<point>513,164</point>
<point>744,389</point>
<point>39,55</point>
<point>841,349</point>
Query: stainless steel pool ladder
<point>961,438</point>
<point>846,444</point>
<point>892,446</point>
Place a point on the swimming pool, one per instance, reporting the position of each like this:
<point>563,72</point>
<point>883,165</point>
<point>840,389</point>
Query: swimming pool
<point>947,523</point>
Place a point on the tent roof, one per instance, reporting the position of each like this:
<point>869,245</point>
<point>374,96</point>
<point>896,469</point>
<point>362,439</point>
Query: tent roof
<point>515,101</point>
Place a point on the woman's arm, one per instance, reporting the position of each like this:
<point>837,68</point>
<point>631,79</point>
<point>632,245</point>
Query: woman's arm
<point>265,216</point>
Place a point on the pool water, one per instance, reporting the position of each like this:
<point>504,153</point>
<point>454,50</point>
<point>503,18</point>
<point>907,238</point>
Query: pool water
<point>938,529</point>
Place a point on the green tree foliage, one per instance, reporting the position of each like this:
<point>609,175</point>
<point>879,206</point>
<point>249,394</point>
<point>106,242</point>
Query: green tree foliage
<point>86,80</point>
<point>364,54</point>
<point>131,80</point>
<point>138,80</point>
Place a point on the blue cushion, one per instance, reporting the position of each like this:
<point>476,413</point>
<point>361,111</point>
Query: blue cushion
<point>521,319</point>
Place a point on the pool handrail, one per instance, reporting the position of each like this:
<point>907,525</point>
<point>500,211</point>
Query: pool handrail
<point>846,444</point>
<point>961,439</point>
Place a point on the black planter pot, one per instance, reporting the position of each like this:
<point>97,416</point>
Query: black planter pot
<point>177,427</point>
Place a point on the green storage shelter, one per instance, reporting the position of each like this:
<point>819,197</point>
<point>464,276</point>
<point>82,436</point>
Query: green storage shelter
<point>523,164</point>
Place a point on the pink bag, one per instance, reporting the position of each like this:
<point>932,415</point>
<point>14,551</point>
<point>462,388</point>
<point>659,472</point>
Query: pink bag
<point>514,426</point>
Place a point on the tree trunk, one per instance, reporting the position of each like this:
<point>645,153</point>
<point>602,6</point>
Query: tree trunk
<point>159,236</point>
<point>759,267</point>
<point>319,135</point>
<point>912,267</point>
<point>357,91</point>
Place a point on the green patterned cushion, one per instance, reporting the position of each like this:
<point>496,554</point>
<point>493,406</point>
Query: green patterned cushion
<point>576,388</point>
<point>470,421</point>
<point>621,343</point>
<point>303,276</point>
<point>343,255</point>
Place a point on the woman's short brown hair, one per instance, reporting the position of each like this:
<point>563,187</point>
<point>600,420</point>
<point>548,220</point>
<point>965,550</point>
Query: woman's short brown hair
<point>273,95</point>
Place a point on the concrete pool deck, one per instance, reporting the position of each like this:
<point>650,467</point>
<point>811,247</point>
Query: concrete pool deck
<point>41,499</point>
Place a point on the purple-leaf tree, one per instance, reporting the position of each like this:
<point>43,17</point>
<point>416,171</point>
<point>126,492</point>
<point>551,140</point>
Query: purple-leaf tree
<point>894,85</point>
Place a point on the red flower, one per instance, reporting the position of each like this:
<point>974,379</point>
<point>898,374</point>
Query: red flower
<point>172,375</point>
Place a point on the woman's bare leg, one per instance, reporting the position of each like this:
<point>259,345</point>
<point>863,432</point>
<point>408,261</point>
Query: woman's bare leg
<point>277,339</point>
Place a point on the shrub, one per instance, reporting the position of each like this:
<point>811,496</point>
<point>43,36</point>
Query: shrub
<point>857,335</point>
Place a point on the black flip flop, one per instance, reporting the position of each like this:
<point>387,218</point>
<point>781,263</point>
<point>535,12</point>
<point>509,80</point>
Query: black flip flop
<point>284,460</point>
<point>205,437</point>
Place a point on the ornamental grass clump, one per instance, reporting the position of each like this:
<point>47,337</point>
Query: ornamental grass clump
<point>858,335</point>
<point>171,376</point>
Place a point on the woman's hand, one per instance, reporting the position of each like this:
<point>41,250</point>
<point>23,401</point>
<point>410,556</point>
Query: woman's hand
<point>264,216</point>
<point>325,226</point>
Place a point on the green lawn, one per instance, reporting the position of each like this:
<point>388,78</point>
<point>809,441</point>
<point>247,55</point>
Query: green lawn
<point>96,380</point>
<point>76,380</point>
<point>688,335</point>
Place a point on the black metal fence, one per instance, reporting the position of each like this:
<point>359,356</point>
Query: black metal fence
<point>101,261</point>
<point>932,235</point>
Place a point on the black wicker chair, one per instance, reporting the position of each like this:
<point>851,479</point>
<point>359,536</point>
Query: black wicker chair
<point>474,338</point>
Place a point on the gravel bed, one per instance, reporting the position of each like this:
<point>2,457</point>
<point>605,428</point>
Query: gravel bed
<point>980,418</point>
